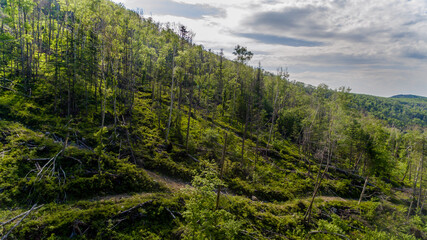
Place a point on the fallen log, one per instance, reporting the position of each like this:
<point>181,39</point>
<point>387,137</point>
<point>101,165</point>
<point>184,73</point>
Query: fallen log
<point>25,215</point>
<point>20,215</point>
<point>194,159</point>
<point>132,209</point>
<point>38,159</point>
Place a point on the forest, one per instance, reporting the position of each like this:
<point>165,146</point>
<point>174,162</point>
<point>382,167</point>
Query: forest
<point>114,126</point>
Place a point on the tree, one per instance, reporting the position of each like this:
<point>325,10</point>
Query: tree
<point>327,146</point>
<point>374,153</point>
<point>171,96</point>
<point>203,220</point>
<point>243,56</point>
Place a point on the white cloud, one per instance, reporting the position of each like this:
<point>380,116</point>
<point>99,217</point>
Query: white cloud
<point>376,47</point>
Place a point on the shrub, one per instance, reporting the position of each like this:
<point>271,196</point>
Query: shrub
<point>203,221</point>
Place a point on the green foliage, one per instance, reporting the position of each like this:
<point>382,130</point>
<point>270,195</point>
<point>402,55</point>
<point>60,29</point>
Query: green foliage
<point>337,225</point>
<point>86,93</point>
<point>203,220</point>
<point>71,174</point>
<point>369,210</point>
<point>380,235</point>
<point>99,219</point>
<point>396,111</point>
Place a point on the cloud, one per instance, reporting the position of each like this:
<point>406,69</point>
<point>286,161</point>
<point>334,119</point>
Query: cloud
<point>305,21</point>
<point>342,59</point>
<point>416,55</point>
<point>416,51</point>
<point>288,18</point>
<point>369,81</point>
<point>273,39</point>
<point>377,47</point>
<point>170,7</point>
<point>340,20</point>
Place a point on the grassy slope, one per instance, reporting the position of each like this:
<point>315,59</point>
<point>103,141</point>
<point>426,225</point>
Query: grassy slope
<point>125,182</point>
<point>89,204</point>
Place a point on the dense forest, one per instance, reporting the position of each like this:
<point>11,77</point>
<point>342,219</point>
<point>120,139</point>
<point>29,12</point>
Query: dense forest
<point>114,126</point>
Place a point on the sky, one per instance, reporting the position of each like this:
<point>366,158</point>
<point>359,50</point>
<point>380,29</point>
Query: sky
<point>374,47</point>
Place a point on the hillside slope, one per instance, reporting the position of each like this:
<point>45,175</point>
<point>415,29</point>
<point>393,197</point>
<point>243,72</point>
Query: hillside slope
<point>105,116</point>
<point>397,112</point>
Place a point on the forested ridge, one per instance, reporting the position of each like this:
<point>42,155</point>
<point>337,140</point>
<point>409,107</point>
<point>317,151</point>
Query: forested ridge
<point>113,126</point>
<point>399,111</point>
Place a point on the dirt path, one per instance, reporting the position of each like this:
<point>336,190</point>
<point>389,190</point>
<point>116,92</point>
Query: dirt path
<point>173,184</point>
<point>328,199</point>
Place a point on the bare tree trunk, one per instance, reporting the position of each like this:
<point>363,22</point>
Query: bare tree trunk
<point>102,104</point>
<point>256,156</point>
<point>273,118</point>
<point>407,167</point>
<point>103,80</point>
<point>115,83</point>
<point>244,135</point>
<point>363,190</point>
<point>414,192</point>
<point>221,82</point>
<point>356,165</point>
<point>224,148</point>
<point>188,121</point>
<point>234,104</point>
<point>421,179</point>
<point>69,80</point>
<point>172,98</point>
<point>179,104</point>
<point>319,179</point>
<point>3,52</point>
<point>57,67</point>
<point>73,94</point>
<point>234,93</point>
<point>423,201</point>
<point>129,142</point>
<point>159,103</point>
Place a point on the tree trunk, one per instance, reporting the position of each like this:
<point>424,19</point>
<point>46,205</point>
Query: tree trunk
<point>244,136</point>
<point>307,215</point>
<point>224,148</point>
<point>421,180</point>
<point>172,98</point>
<point>115,83</point>
<point>423,201</point>
<point>129,142</point>
<point>272,119</point>
<point>414,192</point>
<point>178,117</point>
<point>363,190</point>
<point>3,51</point>
<point>407,167</point>
<point>256,155</point>
<point>188,121</point>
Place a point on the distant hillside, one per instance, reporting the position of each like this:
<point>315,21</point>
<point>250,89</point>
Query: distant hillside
<point>397,111</point>
<point>408,96</point>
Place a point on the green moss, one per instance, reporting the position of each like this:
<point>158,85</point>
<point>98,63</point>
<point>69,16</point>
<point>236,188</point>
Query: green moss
<point>103,219</point>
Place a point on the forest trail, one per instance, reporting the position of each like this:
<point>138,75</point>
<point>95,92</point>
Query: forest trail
<point>328,198</point>
<point>173,184</point>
